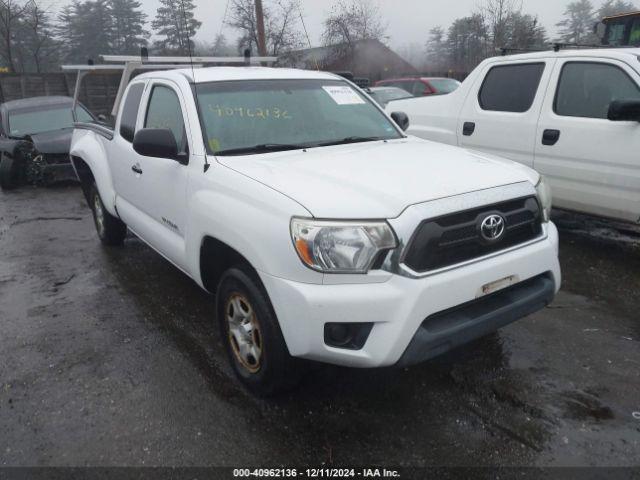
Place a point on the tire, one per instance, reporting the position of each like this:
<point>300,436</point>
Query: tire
<point>241,299</point>
<point>9,173</point>
<point>111,230</point>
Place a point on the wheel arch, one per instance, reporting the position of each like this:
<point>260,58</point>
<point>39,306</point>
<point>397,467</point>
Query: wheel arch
<point>89,159</point>
<point>84,174</point>
<point>215,258</point>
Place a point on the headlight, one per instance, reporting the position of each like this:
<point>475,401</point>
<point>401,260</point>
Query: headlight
<point>544,196</point>
<point>340,247</point>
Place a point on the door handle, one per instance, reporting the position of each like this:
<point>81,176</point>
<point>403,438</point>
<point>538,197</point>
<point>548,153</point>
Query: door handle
<point>468,128</point>
<point>136,168</point>
<point>550,137</point>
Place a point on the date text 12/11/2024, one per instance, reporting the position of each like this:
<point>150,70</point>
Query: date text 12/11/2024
<point>316,473</point>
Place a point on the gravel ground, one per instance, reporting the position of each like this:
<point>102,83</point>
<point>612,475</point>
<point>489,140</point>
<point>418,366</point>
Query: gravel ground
<point>110,357</point>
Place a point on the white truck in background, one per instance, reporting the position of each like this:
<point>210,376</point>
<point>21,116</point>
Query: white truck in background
<point>573,115</point>
<point>324,231</point>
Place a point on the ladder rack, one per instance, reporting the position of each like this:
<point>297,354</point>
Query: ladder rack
<point>128,64</point>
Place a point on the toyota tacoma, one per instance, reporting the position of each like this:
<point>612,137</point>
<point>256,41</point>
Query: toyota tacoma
<point>324,231</point>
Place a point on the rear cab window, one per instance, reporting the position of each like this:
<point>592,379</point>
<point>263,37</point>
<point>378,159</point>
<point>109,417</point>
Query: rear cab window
<point>130,109</point>
<point>164,111</point>
<point>511,88</point>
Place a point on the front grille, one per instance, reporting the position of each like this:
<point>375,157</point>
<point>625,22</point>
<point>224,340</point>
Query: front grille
<point>456,238</point>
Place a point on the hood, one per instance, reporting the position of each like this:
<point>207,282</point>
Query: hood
<point>57,141</point>
<point>377,179</point>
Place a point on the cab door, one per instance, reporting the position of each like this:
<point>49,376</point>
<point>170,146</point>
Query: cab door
<point>501,114</point>
<point>159,189</point>
<point>592,163</point>
<point>121,153</point>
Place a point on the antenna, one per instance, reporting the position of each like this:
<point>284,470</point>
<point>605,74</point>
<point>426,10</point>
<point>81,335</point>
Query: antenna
<point>193,72</point>
<point>308,39</point>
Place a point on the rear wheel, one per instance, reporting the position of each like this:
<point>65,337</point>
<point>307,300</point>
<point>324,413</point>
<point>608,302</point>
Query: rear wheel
<point>252,336</point>
<point>9,172</point>
<point>111,230</point>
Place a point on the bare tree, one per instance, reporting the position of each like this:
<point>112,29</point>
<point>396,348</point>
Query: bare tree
<point>353,20</point>
<point>498,15</point>
<point>38,44</point>
<point>11,11</point>
<point>281,18</point>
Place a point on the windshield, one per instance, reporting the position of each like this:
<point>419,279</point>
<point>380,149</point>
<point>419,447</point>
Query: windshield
<point>37,120</point>
<point>444,85</point>
<point>247,116</point>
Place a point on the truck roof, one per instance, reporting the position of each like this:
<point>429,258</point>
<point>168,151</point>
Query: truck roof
<point>621,15</point>
<point>221,74</point>
<point>623,54</point>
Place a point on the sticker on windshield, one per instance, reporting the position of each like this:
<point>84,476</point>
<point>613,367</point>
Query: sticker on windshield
<point>344,95</point>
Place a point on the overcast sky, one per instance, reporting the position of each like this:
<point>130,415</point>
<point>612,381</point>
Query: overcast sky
<point>409,20</point>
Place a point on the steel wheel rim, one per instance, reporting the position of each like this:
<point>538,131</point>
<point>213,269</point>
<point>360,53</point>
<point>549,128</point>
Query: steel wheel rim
<point>99,214</point>
<point>244,332</point>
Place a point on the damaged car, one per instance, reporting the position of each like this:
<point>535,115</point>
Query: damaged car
<point>35,136</point>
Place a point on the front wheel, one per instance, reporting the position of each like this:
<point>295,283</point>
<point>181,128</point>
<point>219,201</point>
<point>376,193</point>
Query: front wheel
<point>252,335</point>
<point>111,230</point>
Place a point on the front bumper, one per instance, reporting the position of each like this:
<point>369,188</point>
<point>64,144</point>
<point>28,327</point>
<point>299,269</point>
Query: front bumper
<point>399,306</point>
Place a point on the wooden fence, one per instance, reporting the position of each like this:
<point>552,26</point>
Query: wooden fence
<point>98,90</point>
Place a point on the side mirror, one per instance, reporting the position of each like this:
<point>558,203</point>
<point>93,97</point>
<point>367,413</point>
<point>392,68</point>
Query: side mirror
<point>401,119</point>
<point>102,118</point>
<point>624,111</point>
<point>600,29</point>
<point>156,142</point>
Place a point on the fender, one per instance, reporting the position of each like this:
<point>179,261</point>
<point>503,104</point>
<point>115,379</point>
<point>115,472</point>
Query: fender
<point>217,209</point>
<point>89,146</point>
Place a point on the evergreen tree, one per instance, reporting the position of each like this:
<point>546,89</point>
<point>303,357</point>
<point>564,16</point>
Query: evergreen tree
<point>176,26</point>
<point>615,7</point>
<point>85,30</point>
<point>436,51</point>
<point>468,43</point>
<point>577,26</point>
<point>65,30</point>
<point>221,48</point>
<point>525,32</point>
<point>128,34</point>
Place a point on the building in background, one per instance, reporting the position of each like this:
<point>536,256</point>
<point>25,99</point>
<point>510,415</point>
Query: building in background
<point>365,59</point>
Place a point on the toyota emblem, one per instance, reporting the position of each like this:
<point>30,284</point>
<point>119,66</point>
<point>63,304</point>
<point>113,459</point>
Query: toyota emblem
<point>492,228</point>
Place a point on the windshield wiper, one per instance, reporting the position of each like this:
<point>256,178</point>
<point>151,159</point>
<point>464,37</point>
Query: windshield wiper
<point>265,147</point>
<point>348,140</point>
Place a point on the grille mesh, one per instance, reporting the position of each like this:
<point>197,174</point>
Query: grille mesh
<point>456,238</point>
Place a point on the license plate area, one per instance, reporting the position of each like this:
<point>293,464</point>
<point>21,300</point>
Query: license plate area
<point>497,285</point>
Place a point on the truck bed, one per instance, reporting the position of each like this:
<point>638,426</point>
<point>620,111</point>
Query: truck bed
<point>104,130</point>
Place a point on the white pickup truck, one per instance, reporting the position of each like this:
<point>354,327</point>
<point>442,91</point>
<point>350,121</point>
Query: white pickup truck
<point>573,115</point>
<point>325,232</point>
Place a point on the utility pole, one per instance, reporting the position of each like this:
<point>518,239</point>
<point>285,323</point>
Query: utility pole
<point>262,44</point>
